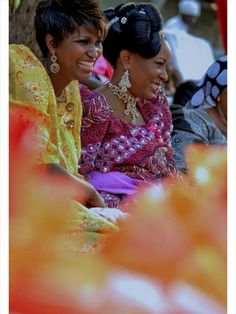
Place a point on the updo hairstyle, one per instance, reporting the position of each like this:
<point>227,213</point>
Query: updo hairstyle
<point>135,27</point>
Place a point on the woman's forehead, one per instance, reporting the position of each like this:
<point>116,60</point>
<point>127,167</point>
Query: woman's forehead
<point>88,29</point>
<point>165,50</point>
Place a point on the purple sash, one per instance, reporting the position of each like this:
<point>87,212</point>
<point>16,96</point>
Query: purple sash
<point>113,182</point>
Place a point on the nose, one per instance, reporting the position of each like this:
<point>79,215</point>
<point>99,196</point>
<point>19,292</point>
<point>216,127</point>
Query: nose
<point>94,52</point>
<point>164,75</point>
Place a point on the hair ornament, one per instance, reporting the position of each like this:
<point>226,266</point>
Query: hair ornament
<point>142,11</point>
<point>162,35</point>
<point>112,21</point>
<point>123,20</point>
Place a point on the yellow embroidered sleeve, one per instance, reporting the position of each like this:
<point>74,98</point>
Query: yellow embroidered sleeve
<point>89,232</point>
<point>29,86</point>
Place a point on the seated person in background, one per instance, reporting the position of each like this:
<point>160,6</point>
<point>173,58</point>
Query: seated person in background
<point>204,118</point>
<point>126,124</point>
<point>184,92</point>
<point>173,82</point>
<point>189,12</point>
<point>102,70</point>
<point>191,55</point>
<point>70,46</point>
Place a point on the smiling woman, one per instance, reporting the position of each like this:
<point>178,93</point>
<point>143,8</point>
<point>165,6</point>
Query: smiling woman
<point>126,123</point>
<point>69,34</point>
<point>76,55</point>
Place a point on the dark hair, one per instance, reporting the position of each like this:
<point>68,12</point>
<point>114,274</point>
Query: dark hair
<point>62,17</point>
<point>184,92</point>
<point>135,27</point>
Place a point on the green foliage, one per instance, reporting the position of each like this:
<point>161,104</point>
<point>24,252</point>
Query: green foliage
<point>14,4</point>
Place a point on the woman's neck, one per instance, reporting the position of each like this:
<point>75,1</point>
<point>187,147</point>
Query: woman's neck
<point>59,83</point>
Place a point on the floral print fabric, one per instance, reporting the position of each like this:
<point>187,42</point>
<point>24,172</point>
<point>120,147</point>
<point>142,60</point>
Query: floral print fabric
<point>30,85</point>
<point>32,94</point>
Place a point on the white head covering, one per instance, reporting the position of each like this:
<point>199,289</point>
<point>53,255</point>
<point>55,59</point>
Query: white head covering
<point>190,7</point>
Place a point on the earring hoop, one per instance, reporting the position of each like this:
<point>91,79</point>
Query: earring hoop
<point>54,66</point>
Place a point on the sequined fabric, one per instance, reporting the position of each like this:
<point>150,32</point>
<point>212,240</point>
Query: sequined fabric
<point>110,144</point>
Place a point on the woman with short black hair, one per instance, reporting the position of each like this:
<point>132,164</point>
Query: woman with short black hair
<point>69,34</point>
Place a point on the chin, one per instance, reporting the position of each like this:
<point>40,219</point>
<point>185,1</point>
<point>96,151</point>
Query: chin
<point>83,76</point>
<point>144,94</point>
<point>149,96</point>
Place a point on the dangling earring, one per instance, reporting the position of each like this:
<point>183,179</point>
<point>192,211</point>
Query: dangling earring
<point>54,67</point>
<point>124,83</point>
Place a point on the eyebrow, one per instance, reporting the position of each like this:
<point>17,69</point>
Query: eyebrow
<point>85,36</point>
<point>161,59</point>
<point>82,36</point>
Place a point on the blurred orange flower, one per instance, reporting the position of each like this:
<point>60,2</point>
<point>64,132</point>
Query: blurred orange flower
<point>169,256</point>
<point>180,233</point>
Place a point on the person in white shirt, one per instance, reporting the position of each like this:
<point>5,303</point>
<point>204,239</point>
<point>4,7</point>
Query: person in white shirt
<point>191,55</point>
<point>189,11</point>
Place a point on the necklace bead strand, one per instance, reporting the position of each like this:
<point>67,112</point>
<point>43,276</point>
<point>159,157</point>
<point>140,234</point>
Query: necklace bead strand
<point>128,100</point>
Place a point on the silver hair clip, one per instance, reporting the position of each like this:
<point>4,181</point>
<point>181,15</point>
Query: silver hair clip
<point>162,35</point>
<point>123,20</point>
<point>142,11</point>
<point>112,21</point>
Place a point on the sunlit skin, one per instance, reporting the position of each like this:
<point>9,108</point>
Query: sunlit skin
<point>76,55</point>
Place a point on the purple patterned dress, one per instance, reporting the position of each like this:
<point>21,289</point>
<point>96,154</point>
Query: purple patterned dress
<point>118,156</point>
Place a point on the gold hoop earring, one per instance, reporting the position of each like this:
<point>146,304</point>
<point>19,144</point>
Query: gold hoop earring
<point>124,83</point>
<point>54,67</point>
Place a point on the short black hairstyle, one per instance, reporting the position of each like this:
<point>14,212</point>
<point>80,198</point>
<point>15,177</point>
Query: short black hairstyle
<point>135,27</point>
<point>62,17</point>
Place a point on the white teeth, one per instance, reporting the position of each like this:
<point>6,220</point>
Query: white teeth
<point>154,85</point>
<point>86,62</point>
<point>86,65</point>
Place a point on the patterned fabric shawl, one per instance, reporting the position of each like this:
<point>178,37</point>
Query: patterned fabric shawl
<point>211,86</point>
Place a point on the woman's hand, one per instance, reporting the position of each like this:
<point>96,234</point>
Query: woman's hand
<point>84,193</point>
<point>93,198</point>
<point>114,215</point>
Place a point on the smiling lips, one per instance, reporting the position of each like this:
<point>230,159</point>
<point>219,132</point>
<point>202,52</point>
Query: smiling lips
<point>86,65</point>
<point>155,86</point>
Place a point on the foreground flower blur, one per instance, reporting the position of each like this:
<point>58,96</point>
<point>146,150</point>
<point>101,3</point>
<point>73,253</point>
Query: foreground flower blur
<point>169,256</point>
